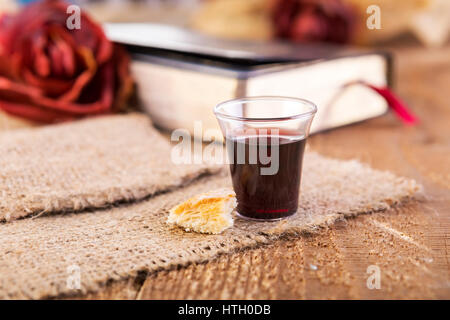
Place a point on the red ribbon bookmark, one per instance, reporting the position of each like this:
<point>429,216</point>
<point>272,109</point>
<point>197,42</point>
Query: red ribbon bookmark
<point>395,103</point>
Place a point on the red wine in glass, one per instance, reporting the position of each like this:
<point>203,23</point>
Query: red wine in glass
<point>266,196</point>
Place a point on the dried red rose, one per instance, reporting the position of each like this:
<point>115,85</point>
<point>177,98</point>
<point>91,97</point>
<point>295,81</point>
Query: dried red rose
<point>49,73</point>
<point>313,20</point>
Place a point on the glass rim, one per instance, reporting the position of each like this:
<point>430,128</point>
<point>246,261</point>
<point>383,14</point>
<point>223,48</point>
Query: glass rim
<point>312,108</point>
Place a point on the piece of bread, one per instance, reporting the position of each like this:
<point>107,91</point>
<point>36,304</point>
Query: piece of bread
<point>206,213</point>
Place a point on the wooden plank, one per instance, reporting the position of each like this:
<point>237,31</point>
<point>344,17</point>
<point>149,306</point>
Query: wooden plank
<point>409,244</point>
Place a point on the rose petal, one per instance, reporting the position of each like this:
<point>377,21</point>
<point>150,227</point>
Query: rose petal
<point>103,89</point>
<point>52,87</point>
<point>38,57</point>
<point>84,78</point>
<point>313,20</point>
<point>66,48</point>
<point>34,113</point>
<point>51,73</point>
<point>124,81</point>
<point>58,83</point>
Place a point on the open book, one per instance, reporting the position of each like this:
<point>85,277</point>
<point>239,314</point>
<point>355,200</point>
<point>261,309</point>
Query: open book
<point>181,75</point>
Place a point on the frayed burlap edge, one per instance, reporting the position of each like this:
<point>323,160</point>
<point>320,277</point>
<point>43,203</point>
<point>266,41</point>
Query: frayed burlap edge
<point>122,243</point>
<point>86,164</point>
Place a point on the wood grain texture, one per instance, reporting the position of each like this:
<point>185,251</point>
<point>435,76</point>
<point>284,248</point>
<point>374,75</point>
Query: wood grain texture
<point>410,244</point>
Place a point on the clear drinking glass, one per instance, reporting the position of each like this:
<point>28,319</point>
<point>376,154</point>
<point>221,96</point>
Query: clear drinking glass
<point>265,140</point>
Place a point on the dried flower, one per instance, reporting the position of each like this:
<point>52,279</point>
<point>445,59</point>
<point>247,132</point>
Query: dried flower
<point>49,73</point>
<point>313,20</point>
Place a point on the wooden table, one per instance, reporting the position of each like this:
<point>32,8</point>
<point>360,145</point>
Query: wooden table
<point>409,244</point>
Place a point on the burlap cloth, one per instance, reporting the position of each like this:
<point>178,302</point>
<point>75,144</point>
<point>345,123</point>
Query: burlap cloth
<point>38,256</point>
<point>84,164</point>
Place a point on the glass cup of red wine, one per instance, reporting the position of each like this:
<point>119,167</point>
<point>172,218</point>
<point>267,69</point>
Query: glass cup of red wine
<point>265,140</point>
